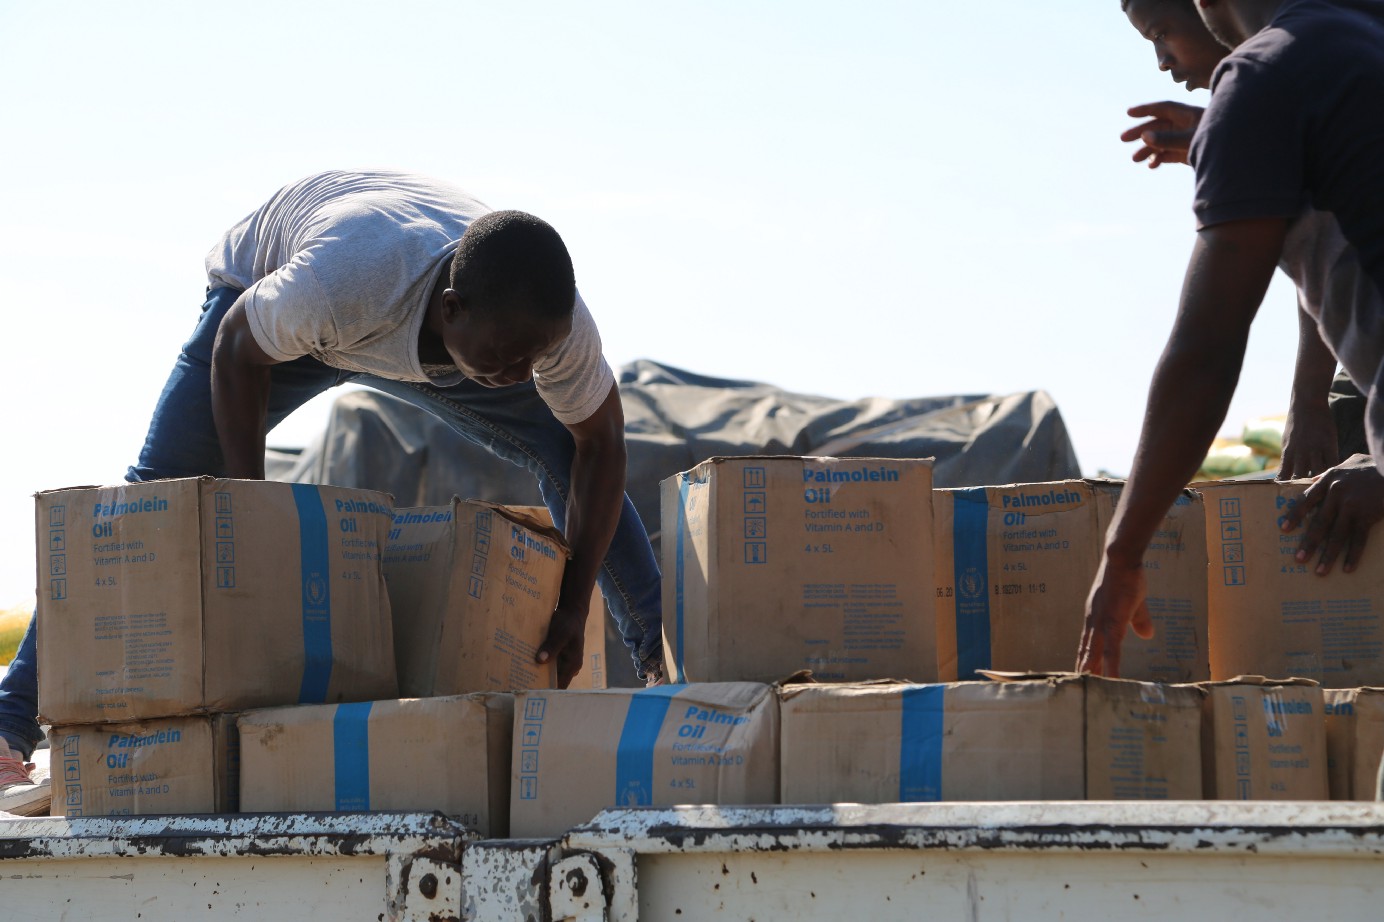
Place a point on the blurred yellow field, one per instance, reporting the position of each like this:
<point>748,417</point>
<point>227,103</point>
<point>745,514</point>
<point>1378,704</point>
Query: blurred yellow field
<point>12,624</point>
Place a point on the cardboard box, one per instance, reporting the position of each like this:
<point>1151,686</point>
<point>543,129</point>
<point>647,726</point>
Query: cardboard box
<point>774,565</point>
<point>577,753</point>
<point>182,596</point>
<point>418,754</point>
<point>1015,564</point>
<point>1354,741</point>
<point>174,765</point>
<point>1042,738</point>
<point>1264,739</point>
<point>472,587</point>
<point>1271,615</point>
<point>594,672</point>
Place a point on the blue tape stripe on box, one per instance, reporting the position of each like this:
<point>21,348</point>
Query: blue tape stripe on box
<point>920,744</point>
<point>317,594</point>
<point>351,755</point>
<point>634,759</point>
<point>971,579</point>
<point>679,577</point>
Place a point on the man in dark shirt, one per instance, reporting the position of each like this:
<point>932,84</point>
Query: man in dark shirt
<point>1295,119</point>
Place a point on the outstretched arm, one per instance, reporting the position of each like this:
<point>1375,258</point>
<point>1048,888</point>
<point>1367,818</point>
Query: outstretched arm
<point>1309,438</point>
<point>593,512</point>
<point>1229,271</point>
<point>240,395</point>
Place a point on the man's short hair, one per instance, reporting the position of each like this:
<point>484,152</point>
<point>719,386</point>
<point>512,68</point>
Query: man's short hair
<point>515,262</point>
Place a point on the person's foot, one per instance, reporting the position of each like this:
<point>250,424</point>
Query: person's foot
<point>653,674</point>
<point>21,793</point>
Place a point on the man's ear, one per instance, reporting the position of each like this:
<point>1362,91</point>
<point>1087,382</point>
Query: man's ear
<point>452,306</point>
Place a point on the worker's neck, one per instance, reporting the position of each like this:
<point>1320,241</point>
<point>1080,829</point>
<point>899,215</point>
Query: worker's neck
<point>1246,18</point>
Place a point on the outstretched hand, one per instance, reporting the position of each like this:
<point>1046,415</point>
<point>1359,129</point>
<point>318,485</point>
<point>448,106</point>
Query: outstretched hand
<point>1344,504</point>
<point>564,643</point>
<point>1167,135</point>
<point>1117,601</point>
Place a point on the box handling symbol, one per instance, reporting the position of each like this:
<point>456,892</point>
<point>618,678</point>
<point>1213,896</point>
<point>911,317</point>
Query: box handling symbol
<point>57,589</point>
<point>1230,508</point>
<point>532,733</point>
<point>534,708</point>
<point>528,761</point>
<point>756,552</point>
<point>225,527</point>
<point>755,503</point>
<point>57,565</point>
<point>1230,530</point>
<point>57,540</point>
<point>72,770</point>
<point>754,477</point>
<point>528,787</point>
<point>756,526</point>
<point>476,588</point>
<point>223,503</point>
<point>1242,789</point>
<point>1234,576</point>
<point>70,744</point>
<point>1233,553</point>
<point>57,516</point>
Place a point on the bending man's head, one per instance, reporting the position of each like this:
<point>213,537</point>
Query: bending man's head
<point>1181,42</point>
<point>511,297</point>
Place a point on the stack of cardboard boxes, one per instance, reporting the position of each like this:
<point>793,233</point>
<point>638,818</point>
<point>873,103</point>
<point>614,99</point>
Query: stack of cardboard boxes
<point>937,627</point>
<point>165,607</point>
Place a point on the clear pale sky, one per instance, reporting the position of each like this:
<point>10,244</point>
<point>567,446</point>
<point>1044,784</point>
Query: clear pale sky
<point>891,199</point>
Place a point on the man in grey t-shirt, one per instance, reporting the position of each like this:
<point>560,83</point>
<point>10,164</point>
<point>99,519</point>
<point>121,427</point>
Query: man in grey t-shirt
<point>415,288</point>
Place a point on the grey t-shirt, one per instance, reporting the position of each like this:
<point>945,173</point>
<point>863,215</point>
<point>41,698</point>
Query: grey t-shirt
<point>341,266</point>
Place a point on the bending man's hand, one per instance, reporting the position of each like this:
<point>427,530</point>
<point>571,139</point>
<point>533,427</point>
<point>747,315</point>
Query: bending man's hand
<point>564,642</point>
<point>1309,444</point>
<point>1167,135</point>
<point>1344,503</point>
<point>1117,601</point>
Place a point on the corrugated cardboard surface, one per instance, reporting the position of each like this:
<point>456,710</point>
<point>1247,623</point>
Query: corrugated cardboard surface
<point>577,753</point>
<point>472,587</point>
<point>1015,564</point>
<point>174,765</point>
<point>1354,741</point>
<point>183,596</point>
<point>1047,738</point>
<point>1176,573</point>
<point>1269,614</point>
<point>417,754</point>
<point>1264,740</point>
<point>774,565</point>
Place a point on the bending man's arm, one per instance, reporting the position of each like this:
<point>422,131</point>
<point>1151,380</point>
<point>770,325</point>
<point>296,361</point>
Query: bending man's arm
<point>1309,438</point>
<point>593,511</point>
<point>240,395</point>
<point>1226,279</point>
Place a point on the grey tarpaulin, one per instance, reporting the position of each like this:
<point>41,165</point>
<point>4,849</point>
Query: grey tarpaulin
<point>676,418</point>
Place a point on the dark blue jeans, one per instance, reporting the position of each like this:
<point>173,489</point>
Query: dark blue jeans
<point>513,423</point>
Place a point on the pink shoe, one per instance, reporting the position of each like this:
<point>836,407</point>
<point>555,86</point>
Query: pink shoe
<point>20,792</point>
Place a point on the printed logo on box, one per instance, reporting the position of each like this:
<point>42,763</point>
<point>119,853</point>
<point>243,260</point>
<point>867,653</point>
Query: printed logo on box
<point>756,526</point>
<point>223,503</point>
<point>1233,553</point>
<point>1230,508</point>
<point>70,744</point>
<point>478,564</point>
<point>528,787</point>
<point>57,541</point>
<point>528,761</point>
<point>225,577</point>
<point>531,735</point>
<point>57,565</point>
<point>482,544</point>
<point>476,588</point>
<point>483,522</point>
<point>225,527</point>
<point>225,552</point>
<point>72,770</point>
<point>74,795</point>
<point>1230,531</point>
<point>534,708</point>
<point>57,590</point>
<point>755,503</point>
<point>1234,576</point>
<point>754,477</point>
<point>756,552</point>
<point>57,516</point>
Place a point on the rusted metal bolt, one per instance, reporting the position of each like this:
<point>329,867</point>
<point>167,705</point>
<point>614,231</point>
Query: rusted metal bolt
<point>576,882</point>
<point>428,885</point>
